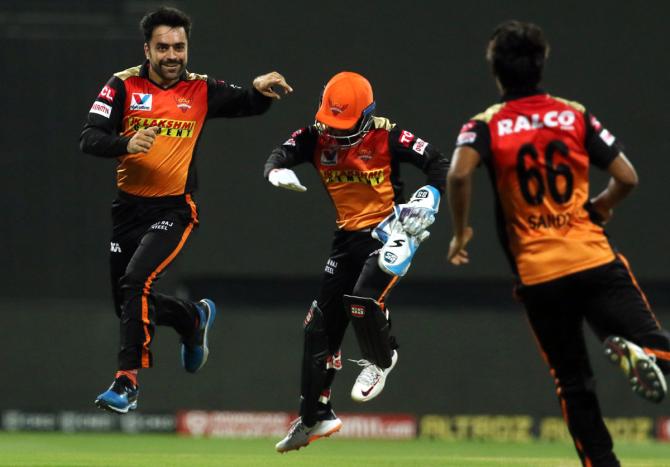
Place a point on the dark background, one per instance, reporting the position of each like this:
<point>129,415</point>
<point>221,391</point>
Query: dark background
<point>425,60</point>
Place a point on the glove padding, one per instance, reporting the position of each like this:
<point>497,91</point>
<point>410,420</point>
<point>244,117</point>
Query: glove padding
<point>285,178</point>
<point>419,212</point>
<point>404,229</point>
<point>395,257</point>
<point>415,220</point>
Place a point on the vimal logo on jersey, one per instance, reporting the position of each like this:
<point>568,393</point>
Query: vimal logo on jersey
<point>139,101</point>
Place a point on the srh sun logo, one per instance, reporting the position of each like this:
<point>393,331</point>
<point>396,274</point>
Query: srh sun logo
<point>336,108</point>
<point>183,103</point>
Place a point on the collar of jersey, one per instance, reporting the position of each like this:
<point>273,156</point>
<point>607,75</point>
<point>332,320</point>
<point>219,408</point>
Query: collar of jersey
<point>521,93</point>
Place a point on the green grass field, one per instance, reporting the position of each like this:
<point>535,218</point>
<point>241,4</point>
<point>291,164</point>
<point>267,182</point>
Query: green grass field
<point>24,449</point>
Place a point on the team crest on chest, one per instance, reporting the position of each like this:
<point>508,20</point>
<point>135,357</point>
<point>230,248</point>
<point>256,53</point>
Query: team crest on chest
<point>365,154</point>
<point>183,103</point>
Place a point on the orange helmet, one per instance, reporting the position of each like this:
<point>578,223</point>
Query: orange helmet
<point>347,103</point>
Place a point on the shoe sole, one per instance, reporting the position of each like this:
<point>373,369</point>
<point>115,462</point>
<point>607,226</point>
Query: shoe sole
<point>311,439</point>
<point>211,315</point>
<point>380,384</point>
<point>645,377</point>
<point>109,408</point>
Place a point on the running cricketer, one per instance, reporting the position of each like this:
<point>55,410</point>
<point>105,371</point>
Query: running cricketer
<point>538,149</point>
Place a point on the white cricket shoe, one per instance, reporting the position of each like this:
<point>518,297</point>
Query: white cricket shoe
<point>371,380</point>
<point>299,435</point>
<point>643,374</point>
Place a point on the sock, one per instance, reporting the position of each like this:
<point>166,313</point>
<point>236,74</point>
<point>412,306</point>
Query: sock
<point>130,374</point>
<point>324,398</point>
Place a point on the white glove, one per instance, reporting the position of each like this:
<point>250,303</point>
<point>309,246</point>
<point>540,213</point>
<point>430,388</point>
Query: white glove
<point>419,212</point>
<point>285,178</point>
<point>415,220</point>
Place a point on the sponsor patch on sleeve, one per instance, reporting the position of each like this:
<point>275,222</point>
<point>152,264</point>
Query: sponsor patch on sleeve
<point>289,142</point>
<point>101,109</point>
<point>607,137</point>
<point>595,123</point>
<point>420,146</point>
<point>405,138</point>
<point>466,137</point>
<point>107,93</point>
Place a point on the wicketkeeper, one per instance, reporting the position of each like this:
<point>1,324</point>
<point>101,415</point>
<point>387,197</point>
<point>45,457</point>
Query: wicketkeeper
<point>358,157</point>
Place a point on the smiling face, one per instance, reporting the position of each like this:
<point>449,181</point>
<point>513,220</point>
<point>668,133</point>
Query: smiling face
<point>167,53</point>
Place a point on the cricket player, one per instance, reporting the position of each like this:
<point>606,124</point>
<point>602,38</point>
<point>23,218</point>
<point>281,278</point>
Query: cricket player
<point>358,157</point>
<point>538,149</point>
<point>150,118</point>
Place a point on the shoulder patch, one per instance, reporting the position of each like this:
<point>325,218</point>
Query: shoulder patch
<point>194,76</point>
<point>488,114</point>
<point>130,72</point>
<point>382,123</point>
<point>574,104</point>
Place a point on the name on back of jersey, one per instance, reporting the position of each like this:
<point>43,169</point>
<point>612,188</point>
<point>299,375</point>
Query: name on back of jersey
<point>564,120</point>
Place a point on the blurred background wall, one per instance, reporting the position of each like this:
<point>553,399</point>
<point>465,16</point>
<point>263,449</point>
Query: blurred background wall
<point>260,250</point>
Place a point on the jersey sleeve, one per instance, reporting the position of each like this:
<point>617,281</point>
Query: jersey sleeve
<point>405,147</point>
<point>601,145</point>
<point>101,133</point>
<point>297,149</point>
<point>231,101</point>
<point>476,134</point>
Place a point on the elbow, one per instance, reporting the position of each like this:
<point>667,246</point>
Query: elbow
<point>632,181</point>
<point>457,178</point>
<point>83,144</point>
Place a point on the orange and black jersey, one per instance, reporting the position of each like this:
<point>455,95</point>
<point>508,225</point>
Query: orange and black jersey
<point>130,101</point>
<point>363,181</point>
<point>538,149</point>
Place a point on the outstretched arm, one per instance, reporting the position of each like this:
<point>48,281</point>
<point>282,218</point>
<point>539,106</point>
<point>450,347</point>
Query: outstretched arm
<point>295,150</point>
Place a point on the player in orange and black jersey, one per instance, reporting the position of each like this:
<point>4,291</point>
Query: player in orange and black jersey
<point>150,118</point>
<point>358,157</point>
<point>538,149</point>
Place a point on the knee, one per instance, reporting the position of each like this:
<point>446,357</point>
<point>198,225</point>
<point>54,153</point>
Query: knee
<point>364,292</point>
<point>576,389</point>
<point>316,338</point>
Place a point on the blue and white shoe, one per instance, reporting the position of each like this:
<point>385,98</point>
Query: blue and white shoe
<point>194,351</point>
<point>120,397</point>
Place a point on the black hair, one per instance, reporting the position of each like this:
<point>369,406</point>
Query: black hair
<point>517,52</point>
<point>164,16</point>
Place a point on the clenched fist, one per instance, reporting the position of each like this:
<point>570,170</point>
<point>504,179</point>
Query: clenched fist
<point>142,140</point>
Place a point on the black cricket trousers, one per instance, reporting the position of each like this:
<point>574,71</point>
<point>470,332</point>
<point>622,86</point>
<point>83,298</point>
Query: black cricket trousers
<point>609,299</point>
<point>147,235</point>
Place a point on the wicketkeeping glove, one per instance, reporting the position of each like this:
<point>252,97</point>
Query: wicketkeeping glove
<point>416,220</point>
<point>419,212</point>
<point>285,178</point>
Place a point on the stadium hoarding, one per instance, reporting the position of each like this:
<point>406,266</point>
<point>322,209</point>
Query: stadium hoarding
<point>522,428</point>
<point>226,424</point>
<point>248,424</point>
<point>663,429</point>
<point>77,422</point>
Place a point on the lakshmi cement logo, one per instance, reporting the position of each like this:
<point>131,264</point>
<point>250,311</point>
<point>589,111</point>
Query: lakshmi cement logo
<point>367,177</point>
<point>166,127</point>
